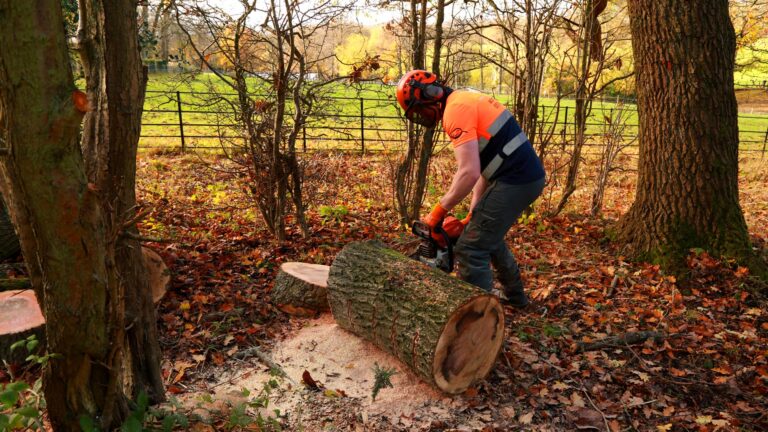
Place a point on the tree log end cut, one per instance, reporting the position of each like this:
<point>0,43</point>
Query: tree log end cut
<point>301,288</point>
<point>469,344</point>
<point>20,317</point>
<point>447,331</point>
<point>158,273</point>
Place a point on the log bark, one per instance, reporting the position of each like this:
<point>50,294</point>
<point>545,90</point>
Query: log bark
<point>20,317</point>
<point>14,284</point>
<point>301,288</point>
<point>446,330</point>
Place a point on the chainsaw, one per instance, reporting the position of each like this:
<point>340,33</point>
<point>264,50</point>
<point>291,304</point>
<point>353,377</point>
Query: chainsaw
<point>434,253</point>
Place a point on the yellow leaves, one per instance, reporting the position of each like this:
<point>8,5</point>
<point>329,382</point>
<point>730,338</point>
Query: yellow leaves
<point>184,306</point>
<point>664,428</point>
<point>704,420</point>
<point>644,377</point>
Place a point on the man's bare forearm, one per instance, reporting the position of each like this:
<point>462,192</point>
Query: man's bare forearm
<point>477,192</point>
<point>462,184</point>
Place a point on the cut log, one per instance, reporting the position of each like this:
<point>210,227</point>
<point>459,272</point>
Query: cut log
<point>447,331</point>
<point>159,275</point>
<point>20,317</point>
<point>301,288</point>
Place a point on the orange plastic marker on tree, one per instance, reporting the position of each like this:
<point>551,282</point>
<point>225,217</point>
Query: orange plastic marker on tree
<point>80,100</point>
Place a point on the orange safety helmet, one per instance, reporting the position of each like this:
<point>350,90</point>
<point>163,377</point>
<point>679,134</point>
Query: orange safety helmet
<point>420,94</point>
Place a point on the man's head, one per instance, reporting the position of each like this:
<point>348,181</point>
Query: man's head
<point>422,96</point>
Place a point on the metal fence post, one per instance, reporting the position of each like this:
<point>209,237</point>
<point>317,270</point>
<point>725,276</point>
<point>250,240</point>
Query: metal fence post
<point>362,127</point>
<point>565,125</point>
<point>765,141</point>
<point>181,122</point>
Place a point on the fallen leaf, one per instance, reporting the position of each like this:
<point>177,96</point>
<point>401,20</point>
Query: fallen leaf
<point>704,420</point>
<point>181,367</point>
<point>664,428</point>
<point>643,376</point>
<point>508,412</point>
<point>614,425</point>
<point>587,418</point>
<point>677,372</point>
<point>309,381</point>
<point>577,400</point>
<point>526,418</point>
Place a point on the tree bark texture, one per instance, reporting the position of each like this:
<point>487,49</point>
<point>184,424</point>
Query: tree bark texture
<point>447,331</point>
<point>301,288</point>
<point>60,222</point>
<point>687,190</point>
<point>116,81</point>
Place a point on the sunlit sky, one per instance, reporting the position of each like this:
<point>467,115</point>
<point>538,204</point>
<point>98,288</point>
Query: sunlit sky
<point>363,14</point>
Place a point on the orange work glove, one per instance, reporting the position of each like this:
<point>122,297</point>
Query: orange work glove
<point>453,227</point>
<point>436,216</point>
<point>465,221</point>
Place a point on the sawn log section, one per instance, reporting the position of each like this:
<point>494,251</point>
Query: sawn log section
<point>301,288</point>
<point>449,332</point>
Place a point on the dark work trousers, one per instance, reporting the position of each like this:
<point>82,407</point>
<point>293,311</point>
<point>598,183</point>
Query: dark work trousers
<point>482,242</point>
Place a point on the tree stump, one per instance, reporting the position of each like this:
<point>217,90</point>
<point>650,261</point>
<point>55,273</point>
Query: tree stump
<point>159,275</point>
<point>301,288</point>
<point>20,317</point>
<point>448,331</point>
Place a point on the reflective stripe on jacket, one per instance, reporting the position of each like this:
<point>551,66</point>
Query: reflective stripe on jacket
<point>505,151</point>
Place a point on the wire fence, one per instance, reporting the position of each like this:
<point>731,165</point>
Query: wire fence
<point>203,120</point>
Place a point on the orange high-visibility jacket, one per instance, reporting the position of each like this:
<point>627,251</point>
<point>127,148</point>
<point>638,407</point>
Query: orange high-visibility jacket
<point>505,152</point>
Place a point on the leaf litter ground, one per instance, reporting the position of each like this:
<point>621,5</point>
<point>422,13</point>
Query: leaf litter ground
<point>703,366</point>
<point>608,344</point>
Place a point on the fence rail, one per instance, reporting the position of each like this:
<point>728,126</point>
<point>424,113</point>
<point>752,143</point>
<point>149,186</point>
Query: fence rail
<point>189,120</point>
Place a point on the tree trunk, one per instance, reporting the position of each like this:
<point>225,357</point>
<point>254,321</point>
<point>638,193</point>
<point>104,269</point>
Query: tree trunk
<point>61,224</point>
<point>449,332</point>
<point>116,81</point>
<point>411,175</point>
<point>687,189</point>
<point>583,105</point>
<point>301,288</point>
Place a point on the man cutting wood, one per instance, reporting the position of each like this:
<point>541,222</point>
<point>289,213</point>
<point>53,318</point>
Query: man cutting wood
<point>496,162</point>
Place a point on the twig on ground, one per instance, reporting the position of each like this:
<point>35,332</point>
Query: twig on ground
<point>264,357</point>
<point>146,239</point>
<point>630,338</point>
<point>602,414</point>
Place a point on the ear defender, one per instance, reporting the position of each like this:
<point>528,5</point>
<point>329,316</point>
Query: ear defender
<point>434,92</point>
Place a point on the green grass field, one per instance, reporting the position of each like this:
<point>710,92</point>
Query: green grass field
<point>351,108</point>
